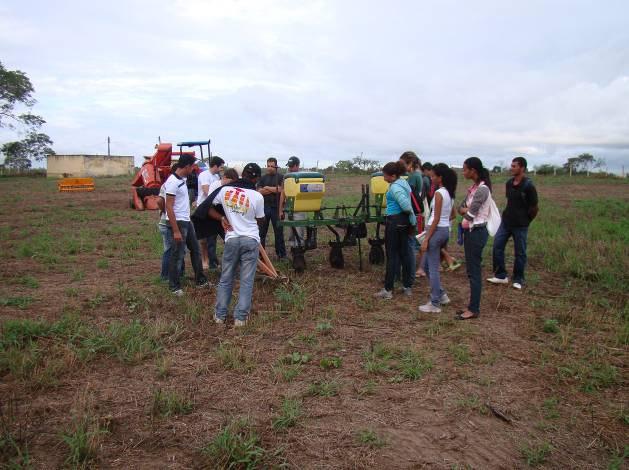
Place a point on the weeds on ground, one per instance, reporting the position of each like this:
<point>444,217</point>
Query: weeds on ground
<point>19,302</point>
<point>369,438</point>
<point>286,373</point>
<point>28,281</point>
<point>328,363</point>
<point>549,408</point>
<point>324,327</point>
<point>82,439</point>
<point>535,455</point>
<point>460,354</point>
<point>324,388</point>
<point>237,445</point>
<point>472,403</point>
<point>617,461</point>
<point>296,358</point>
<point>551,325</point>
<point>291,298</point>
<point>290,413</point>
<point>592,376</point>
<point>13,448</point>
<point>234,357</point>
<point>407,363</point>
<point>171,402</point>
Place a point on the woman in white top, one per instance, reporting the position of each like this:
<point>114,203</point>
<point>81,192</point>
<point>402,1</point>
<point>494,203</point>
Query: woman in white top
<point>475,211</point>
<point>438,233</point>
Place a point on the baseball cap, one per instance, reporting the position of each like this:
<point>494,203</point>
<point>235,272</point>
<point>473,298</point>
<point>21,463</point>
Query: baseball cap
<point>185,160</point>
<point>253,169</point>
<point>292,161</point>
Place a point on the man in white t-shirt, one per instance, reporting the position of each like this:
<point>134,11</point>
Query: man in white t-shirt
<point>206,179</point>
<point>178,212</point>
<point>244,212</point>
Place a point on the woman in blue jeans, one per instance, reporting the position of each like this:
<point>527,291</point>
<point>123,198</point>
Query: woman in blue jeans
<point>400,220</point>
<point>475,212</point>
<point>438,233</point>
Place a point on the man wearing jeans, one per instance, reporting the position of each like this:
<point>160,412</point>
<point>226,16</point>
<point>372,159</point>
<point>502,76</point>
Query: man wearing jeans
<point>270,186</point>
<point>244,212</point>
<point>521,209</point>
<point>178,211</point>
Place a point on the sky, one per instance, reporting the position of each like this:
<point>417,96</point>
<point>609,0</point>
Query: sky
<point>329,80</point>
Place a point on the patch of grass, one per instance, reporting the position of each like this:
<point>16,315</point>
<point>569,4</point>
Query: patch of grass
<point>308,339</point>
<point>234,357</point>
<point>472,403</point>
<point>328,363</point>
<point>369,438</point>
<point>460,353</point>
<point>72,292</point>
<point>439,326</point>
<point>549,408</point>
<point>535,455</point>
<point>413,365</point>
<point>14,452</point>
<point>368,388</point>
<point>82,440</point>
<point>236,446</point>
<point>134,341</point>
<point>408,363</point>
<point>170,403</point>
<point>291,298</point>
<point>324,388</point>
<point>324,327</point>
<point>296,358</point>
<point>286,373</point>
<point>102,263</point>
<point>617,461</point>
<point>19,302</point>
<point>551,325</point>
<point>77,275</point>
<point>290,413</point>
<point>28,281</point>
<point>163,367</point>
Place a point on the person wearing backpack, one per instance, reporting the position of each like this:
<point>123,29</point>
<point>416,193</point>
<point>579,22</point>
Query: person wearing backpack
<point>522,208</point>
<point>475,210</point>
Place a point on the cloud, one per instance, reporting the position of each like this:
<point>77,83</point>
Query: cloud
<point>328,80</point>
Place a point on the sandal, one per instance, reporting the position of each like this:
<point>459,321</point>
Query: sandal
<point>454,266</point>
<point>420,273</point>
<point>459,315</point>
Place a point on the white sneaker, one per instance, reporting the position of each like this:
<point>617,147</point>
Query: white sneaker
<point>384,294</point>
<point>218,320</point>
<point>517,286</point>
<point>178,293</point>
<point>429,308</point>
<point>497,280</point>
<point>240,323</point>
<point>408,291</point>
<point>444,300</point>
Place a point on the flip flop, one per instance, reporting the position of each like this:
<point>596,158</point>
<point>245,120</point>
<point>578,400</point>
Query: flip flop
<point>459,315</point>
<point>456,265</point>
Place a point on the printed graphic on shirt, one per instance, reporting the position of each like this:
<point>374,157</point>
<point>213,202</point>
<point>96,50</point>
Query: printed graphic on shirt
<point>236,201</point>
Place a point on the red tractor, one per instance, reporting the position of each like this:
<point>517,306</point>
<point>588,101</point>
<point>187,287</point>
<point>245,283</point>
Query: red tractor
<point>155,171</point>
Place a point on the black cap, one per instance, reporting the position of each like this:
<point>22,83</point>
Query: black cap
<point>185,160</point>
<point>253,169</point>
<point>292,161</point>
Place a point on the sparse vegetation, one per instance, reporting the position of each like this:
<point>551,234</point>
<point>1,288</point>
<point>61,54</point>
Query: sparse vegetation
<point>289,414</point>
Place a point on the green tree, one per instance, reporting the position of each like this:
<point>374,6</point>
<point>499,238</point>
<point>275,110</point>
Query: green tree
<point>16,91</point>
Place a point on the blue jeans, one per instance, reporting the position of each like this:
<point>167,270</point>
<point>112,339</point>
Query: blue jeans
<point>241,251</point>
<point>272,215</point>
<point>397,249</point>
<point>169,242</point>
<point>519,235</point>
<point>413,249</point>
<point>211,251</point>
<point>474,242</point>
<point>189,239</point>
<point>431,263</point>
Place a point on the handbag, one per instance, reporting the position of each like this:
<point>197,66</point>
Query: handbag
<point>493,219</point>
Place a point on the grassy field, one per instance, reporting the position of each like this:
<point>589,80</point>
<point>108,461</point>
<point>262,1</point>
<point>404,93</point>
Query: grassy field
<point>101,367</point>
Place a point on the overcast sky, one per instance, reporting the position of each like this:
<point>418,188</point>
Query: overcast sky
<point>327,80</point>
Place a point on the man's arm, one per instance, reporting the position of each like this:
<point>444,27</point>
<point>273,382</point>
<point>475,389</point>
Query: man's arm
<point>532,201</point>
<point>281,204</point>
<point>170,211</point>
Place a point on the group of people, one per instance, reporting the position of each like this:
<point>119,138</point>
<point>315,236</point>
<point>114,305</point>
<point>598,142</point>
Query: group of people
<point>405,231</point>
<point>239,209</point>
<point>420,209</point>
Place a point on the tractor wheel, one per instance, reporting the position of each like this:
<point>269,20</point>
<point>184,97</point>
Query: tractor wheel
<point>299,261</point>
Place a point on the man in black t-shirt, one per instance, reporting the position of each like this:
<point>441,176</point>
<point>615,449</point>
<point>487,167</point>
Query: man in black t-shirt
<point>270,186</point>
<point>521,209</point>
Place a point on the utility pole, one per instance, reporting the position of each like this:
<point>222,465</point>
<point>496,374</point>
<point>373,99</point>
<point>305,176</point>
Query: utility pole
<point>108,142</point>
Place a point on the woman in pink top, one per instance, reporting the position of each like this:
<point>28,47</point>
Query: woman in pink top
<point>475,211</point>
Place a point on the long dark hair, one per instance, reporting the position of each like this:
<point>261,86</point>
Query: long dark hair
<point>394,169</point>
<point>411,158</point>
<point>483,173</point>
<point>448,177</point>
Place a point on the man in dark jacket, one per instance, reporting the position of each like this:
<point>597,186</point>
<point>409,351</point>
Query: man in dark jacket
<point>522,208</point>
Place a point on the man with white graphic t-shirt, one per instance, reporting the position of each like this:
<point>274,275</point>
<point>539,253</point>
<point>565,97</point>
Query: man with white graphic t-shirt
<point>244,212</point>
<point>178,211</point>
<point>206,179</point>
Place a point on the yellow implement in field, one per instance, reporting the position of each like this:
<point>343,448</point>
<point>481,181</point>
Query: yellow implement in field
<point>73,185</point>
